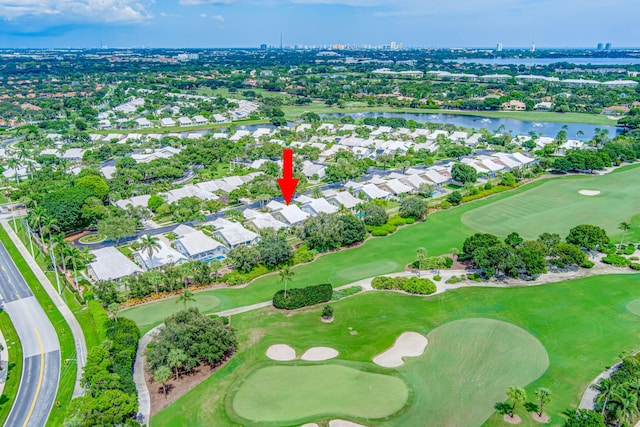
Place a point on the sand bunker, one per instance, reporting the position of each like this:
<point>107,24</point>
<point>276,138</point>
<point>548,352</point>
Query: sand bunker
<point>310,425</point>
<point>316,354</point>
<point>343,423</point>
<point>281,352</point>
<point>589,192</point>
<point>408,344</point>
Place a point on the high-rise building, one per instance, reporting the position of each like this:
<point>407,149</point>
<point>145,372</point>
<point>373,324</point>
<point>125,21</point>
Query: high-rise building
<point>499,47</point>
<point>600,46</point>
<point>607,46</point>
<point>263,46</point>
<point>533,47</point>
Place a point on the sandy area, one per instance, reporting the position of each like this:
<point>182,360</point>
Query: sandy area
<point>541,419</point>
<point>589,192</point>
<point>281,352</point>
<point>316,354</point>
<point>343,423</point>
<point>310,425</point>
<point>408,344</point>
<point>515,420</point>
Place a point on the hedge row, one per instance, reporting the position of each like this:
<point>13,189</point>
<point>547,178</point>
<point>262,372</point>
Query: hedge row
<point>616,260</point>
<point>412,285</point>
<point>100,318</point>
<point>302,297</point>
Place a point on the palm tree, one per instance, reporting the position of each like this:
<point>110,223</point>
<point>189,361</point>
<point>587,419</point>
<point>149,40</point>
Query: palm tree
<point>61,245</point>
<point>421,256</point>
<point>149,243</point>
<point>35,219</point>
<point>75,256</point>
<point>48,225</point>
<point>516,394</point>
<point>285,276</point>
<point>185,297</point>
<point>544,394</point>
<point>14,163</point>
<point>605,387</point>
<point>162,374</point>
<point>114,309</point>
<point>624,226</point>
<point>625,404</point>
<point>454,253</point>
<point>176,358</point>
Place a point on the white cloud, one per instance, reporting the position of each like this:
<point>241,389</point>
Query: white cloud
<point>108,11</point>
<point>201,2</point>
<point>218,18</point>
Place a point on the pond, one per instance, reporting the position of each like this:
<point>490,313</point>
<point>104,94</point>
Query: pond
<point>579,131</point>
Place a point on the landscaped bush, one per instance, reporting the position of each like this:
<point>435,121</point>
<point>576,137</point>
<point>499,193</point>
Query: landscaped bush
<point>445,205</point>
<point>454,279</point>
<point>486,192</point>
<point>617,260</point>
<point>382,230</point>
<point>343,293</point>
<point>236,278</point>
<point>302,297</point>
<point>629,250</point>
<point>635,266</point>
<point>303,254</point>
<point>412,285</point>
<point>100,318</point>
<point>587,264</point>
<point>437,278</point>
<point>398,221</point>
<point>475,277</point>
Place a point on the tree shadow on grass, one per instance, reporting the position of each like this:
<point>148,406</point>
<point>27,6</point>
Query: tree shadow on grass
<point>531,407</point>
<point>502,408</point>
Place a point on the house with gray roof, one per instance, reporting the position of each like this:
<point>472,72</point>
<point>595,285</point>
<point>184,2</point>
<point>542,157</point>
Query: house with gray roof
<point>111,264</point>
<point>196,245</point>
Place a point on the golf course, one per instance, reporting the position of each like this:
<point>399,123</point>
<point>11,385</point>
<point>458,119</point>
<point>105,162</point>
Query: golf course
<point>480,340</point>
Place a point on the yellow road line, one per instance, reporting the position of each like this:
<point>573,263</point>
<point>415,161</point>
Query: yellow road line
<point>35,398</point>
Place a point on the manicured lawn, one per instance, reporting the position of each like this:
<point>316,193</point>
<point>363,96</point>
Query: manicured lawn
<point>557,206</point>
<point>67,346</point>
<point>147,314</point>
<point>467,364</point>
<point>15,366</point>
<point>266,395</point>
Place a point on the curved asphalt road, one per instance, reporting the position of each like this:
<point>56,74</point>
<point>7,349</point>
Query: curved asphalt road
<point>40,349</point>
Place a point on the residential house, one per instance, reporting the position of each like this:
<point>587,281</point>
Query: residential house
<point>111,264</point>
<point>233,234</point>
<point>167,122</point>
<point>196,245</point>
<point>317,206</point>
<point>159,257</point>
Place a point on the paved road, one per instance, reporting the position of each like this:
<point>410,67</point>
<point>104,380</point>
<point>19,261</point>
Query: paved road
<point>40,348</point>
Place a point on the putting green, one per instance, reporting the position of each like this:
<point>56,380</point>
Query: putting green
<point>634,307</point>
<point>556,206</point>
<point>466,369</point>
<point>290,394</point>
<point>149,313</point>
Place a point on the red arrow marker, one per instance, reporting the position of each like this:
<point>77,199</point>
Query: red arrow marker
<point>287,183</point>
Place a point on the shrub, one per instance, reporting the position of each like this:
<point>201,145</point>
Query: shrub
<point>302,297</point>
<point>445,205</point>
<point>634,258</point>
<point>343,293</point>
<point>487,186</point>
<point>587,264</point>
<point>454,279</point>
<point>327,312</point>
<point>383,230</point>
<point>100,318</point>
<point>397,221</point>
<point>629,250</point>
<point>475,277</point>
<point>635,266</point>
<point>455,198</point>
<point>303,254</point>
<point>616,260</point>
<point>437,278</point>
<point>412,285</point>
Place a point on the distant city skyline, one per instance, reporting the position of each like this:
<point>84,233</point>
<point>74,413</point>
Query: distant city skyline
<point>250,23</point>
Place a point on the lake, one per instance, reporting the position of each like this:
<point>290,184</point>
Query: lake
<point>546,61</point>
<point>517,127</point>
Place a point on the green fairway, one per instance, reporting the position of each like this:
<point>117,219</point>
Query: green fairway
<point>147,313</point>
<point>579,347</point>
<point>438,234</point>
<point>292,394</point>
<point>469,364</point>
<point>556,206</point>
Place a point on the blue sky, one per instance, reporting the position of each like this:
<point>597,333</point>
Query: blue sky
<point>248,23</point>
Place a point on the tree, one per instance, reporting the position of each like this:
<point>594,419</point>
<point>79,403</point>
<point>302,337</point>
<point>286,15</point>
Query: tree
<point>244,258</point>
<point>185,297</point>
<point>116,228</point>
<point>176,358</point>
<point>155,202</point>
<point>549,240</point>
<point>478,240</point>
<point>421,256</point>
<point>624,226</point>
<point>327,312</point>
<point>94,184</point>
<point>454,253</point>
<point>584,418</point>
<point>455,197</point>
<point>588,236</point>
<point>508,179</point>
<point>413,206</point>
<point>162,375</point>
<point>285,276</point>
<point>517,395</point>
<point>353,230</point>
<point>150,244</point>
<point>514,240</point>
<point>544,394</point>
<point>322,232</point>
<point>463,173</point>
<point>374,215</point>
<point>274,250</point>
<point>114,309</point>
<point>568,254</point>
